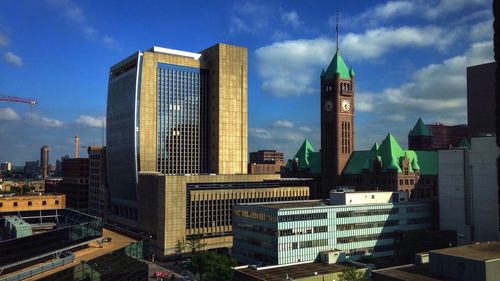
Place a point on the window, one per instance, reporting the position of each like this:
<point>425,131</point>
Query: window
<point>44,203</point>
<point>1,204</point>
<point>15,204</point>
<point>29,203</point>
<point>57,202</point>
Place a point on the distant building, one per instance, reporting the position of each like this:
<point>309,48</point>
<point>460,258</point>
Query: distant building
<point>75,184</point>
<point>468,191</point>
<point>265,162</point>
<point>174,209</point>
<point>58,171</point>
<point>481,114</point>
<point>98,182</point>
<point>388,167</point>
<point>44,161</point>
<point>51,169</point>
<point>32,202</point>
<point>435,136</point>
<point>5,167</point>
<point>358,223</point>
<point>31,169</point>
<point>478,262</point>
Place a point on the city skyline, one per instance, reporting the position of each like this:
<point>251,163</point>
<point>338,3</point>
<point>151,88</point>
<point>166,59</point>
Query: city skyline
<point>410,60</point>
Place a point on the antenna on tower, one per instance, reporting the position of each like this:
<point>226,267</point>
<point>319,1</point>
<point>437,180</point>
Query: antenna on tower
<point>337,28</point>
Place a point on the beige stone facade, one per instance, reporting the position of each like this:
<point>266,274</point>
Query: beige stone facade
<point>175,209</point>
<point>35,202</point>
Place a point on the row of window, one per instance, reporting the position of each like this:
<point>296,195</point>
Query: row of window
<point>302,244</point>
<point>351,226</point>
<point>15,204</point>
<point>303,230</point>
<point>255,228</point>
<point>362,238</point>
<point>364,213</point>
<point>302,217</point>
<point>371,250</point>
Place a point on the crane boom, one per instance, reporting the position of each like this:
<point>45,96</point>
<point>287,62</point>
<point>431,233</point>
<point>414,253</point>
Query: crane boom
<point>18,99</point>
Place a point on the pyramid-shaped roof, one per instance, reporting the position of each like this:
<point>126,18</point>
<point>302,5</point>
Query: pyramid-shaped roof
<point>391,151</point>
<point>337,65</point>
<point>303,154</point>
<point>375,147</point>
<point>464,143</point>
<point>420,129</point>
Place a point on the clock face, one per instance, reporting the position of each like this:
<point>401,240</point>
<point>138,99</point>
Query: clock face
<point>328,105</point>
<point>345,105</point>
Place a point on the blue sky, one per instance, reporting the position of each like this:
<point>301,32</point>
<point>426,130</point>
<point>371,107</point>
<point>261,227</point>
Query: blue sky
<point>409,57</point>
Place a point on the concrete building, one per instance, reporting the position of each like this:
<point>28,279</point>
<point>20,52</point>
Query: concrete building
<point>177,208</point>
<point>478,262</point>
<point>31,169</point>
<point>358,223</point>
<point>32,202</point>
<point>44,161</point>
<point>468,191</point>
<point>98,182</point>
<point>481,114</point>
<point>68,245</point>
<point>265,162</point>
<point>175,112</point>
<point>74,184</point>
<point>5,167</point>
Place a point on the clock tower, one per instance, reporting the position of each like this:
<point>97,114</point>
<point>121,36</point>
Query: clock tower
<point>337,121</point>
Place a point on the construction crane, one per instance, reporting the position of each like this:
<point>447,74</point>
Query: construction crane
<point>18,99</point>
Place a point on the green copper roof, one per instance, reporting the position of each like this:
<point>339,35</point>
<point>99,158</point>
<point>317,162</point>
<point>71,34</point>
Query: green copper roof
<point>464,143</point>
<point>414,164</point>
<point>315,163</point>
<point>375,147</point>
<point>337,65</point>
<point>351,72</point>
<point>392,155</point>
<point>303,154</point>
<point>420,129</point>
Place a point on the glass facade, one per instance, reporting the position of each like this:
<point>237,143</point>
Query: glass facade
<point>182,121</point>
<point>121,139</point>
<point>299,234</point>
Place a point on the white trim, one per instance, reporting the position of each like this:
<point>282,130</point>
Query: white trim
<point>194,56</point>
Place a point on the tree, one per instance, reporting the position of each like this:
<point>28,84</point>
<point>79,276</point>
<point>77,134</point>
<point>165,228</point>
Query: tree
<point>352,274</point>
<point>196,243</point>
<point>180,246</point>
<point>213,267</point>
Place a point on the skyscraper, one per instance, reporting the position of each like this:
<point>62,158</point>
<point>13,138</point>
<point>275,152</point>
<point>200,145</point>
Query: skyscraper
<point>44,161</point>
<point>175,112</point>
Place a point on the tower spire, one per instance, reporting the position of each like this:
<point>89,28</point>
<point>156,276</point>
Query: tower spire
<point>337,28</point>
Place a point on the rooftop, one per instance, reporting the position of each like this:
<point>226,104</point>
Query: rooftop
<point>157,49</point>
<point>296,271</point>
<point>410,272</point>
<point>478,252</point>
<point>291,204</point>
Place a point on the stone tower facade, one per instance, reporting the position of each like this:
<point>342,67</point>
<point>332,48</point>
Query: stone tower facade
<point>337,121</point>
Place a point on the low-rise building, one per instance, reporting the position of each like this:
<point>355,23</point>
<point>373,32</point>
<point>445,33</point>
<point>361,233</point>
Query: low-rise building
<point>176,209</point>
<point>31,202</point>
<point>359,223</point>
<point>265,162</point>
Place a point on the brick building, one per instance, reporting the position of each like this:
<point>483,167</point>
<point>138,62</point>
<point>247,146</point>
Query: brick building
<point>265,162</point>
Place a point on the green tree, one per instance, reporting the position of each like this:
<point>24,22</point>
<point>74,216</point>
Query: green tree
<point>213,267</point>
<point>352,274</point>
<point>196,243</point>
<point>180,246</point>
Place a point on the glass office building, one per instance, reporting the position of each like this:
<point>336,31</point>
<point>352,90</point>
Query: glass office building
<point>290,232</point>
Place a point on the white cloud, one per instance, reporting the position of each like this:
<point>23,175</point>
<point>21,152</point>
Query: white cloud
<point>289,68</point>
<point>291,18</point>
<point>283,124</point>
<point>91,121</point>
<point>74,13</point>
<point>481,31</point>
<point>13,59</point>
<point>305,129</point>
<point>260,133</point>
<point>445,7</point>
<point>8,114</point>
<point>375,42</point>
<point>48,122</point>
<point>4,40</point>
<point>250,17</point>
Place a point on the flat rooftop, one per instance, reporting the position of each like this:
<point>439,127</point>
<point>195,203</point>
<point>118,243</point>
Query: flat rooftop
<point>290,204</point>
<point>477,252</point>
<point>90,252</point>
<point>410,272</point>
<point>294,271</point>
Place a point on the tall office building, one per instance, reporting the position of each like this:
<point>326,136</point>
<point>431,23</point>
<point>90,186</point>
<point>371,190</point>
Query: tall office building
<point>98,181</point>
<point>481,99</point>
<point>44,161</point>
<point>175,112</point>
